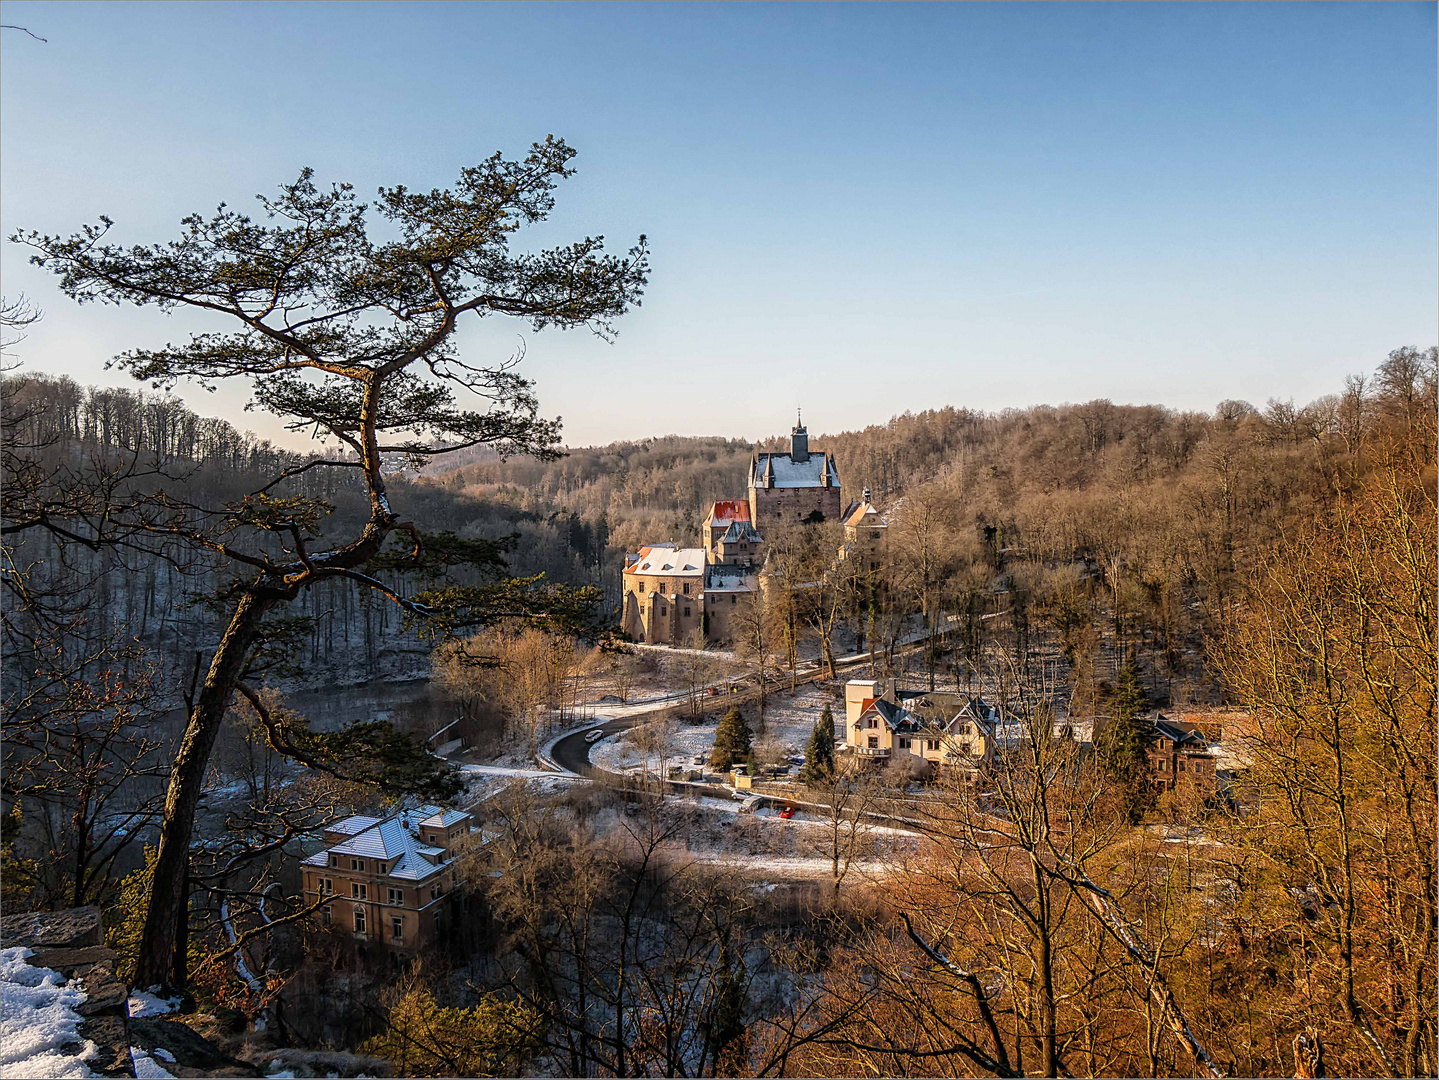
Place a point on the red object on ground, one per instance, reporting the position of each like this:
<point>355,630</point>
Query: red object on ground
<point>787,812</point>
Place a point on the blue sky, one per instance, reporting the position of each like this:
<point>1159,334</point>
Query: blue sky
<point>860,209</point>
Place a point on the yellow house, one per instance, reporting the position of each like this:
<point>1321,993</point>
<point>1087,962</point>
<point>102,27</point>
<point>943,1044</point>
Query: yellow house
<point>936,728</point>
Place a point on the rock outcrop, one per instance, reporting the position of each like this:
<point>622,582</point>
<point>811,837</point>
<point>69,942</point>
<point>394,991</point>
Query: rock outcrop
<point>70,943</point>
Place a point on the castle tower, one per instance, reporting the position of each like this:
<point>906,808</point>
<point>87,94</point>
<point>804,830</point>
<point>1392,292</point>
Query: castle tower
<point>799,442</point>
<point>802,485</point>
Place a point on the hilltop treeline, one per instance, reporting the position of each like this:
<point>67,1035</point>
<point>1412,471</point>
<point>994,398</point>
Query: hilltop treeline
<point>1120,527</point>
<point>1173,502</point>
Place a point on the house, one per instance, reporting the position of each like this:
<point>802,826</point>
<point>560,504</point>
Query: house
<point>663,593</point>
<point>388,877</point>
<point>936,729</point>
<point>1180,755</point>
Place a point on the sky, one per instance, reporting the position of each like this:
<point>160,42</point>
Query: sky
<point>856,209</point>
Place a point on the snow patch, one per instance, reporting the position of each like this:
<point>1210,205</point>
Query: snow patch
<point>39,1027</point>
<point>146,1067</point>
<point>142,1004</point>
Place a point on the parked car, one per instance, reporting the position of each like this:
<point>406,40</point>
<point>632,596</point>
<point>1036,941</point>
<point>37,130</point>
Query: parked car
<point>787,812</point>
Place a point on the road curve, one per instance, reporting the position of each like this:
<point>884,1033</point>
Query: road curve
<point>572,753</point>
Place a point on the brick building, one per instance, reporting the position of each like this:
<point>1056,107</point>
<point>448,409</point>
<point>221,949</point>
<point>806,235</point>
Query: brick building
<point>388,877</point>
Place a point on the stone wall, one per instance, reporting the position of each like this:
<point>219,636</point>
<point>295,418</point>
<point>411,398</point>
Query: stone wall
<point>792,504</point>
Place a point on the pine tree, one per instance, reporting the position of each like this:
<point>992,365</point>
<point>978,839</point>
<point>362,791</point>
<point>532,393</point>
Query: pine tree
<point>732,740</point>
<point>819,756</point>
<point>1121,746</point>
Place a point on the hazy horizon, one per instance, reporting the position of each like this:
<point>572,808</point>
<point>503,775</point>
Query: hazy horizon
<point>858,210</point>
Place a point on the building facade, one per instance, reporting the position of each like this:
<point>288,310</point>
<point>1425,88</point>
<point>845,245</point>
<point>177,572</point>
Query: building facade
<point>866,531</point>
<point>664,594</point>
<point>387,878</point>
<point>1181,754</point>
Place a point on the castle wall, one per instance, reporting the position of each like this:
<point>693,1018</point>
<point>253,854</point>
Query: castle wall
<point>792,504</point>
<point>725,609</point>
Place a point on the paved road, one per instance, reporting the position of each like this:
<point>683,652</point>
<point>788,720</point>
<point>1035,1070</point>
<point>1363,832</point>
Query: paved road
<point>573,753</point>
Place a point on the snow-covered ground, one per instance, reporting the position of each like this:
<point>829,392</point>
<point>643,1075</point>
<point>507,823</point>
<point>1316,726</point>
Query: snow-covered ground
<point>482,781</point>
<point>787,726</point>
<point>39,1027</point>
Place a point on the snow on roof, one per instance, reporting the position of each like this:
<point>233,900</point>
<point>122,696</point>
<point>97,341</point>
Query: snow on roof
<point>896,716</point>
<point>666,559</point>
<point>39,1027</point>
<point>859,511</point>
<point>724,511</point>
<point>1178,735</point>
<point>789,473</point>
<point>444,819</point>
<point>351,825</point>
<point>722,578</point>
<point>741,530</point>
<point>396,838</point>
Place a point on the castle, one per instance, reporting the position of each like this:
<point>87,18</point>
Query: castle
<point>679,596</point>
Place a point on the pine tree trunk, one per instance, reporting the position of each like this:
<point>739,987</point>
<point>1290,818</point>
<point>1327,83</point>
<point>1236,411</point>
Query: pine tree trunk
<point>187,776</point>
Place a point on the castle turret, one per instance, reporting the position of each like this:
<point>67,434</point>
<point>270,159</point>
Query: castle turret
<point>799,443</point>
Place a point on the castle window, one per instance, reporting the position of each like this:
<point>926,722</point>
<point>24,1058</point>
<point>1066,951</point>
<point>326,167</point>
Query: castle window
<point>687,611</point>
<point>731,599</point>
<point>357,891</point>
<point>359,920</point>
<point>397,930</point>
<point>397,897</point>
<point>357,864</point>
<point>687,592</point>
<point>662,611</point>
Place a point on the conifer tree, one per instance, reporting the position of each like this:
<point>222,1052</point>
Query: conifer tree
<point>819,755</point>
<point>349,333</point>
<point>1121,746</point>
<point>732,740</point>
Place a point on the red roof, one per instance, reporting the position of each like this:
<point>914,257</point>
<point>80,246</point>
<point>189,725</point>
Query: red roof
<point>723,511</point>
